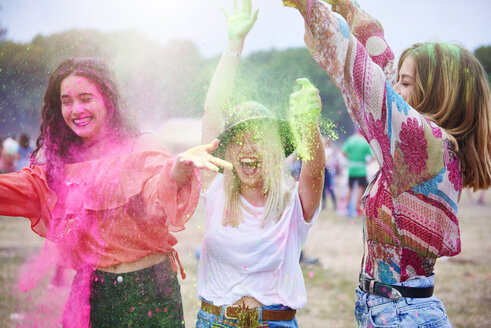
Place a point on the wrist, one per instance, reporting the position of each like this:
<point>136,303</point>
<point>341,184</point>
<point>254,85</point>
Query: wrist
<point>300,5</point>
<point>181,172</point>
<point>310,124</point>
<point>235,45</point>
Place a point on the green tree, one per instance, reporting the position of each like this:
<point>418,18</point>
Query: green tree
<point>483,54</point>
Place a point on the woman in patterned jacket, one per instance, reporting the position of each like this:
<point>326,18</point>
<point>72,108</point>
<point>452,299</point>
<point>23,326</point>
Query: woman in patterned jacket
<point>430,132</point>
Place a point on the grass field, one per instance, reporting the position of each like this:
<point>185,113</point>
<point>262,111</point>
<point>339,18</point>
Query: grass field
<point>463,283</point>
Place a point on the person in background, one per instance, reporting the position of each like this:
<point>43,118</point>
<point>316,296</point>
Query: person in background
<point>330,171</point>
<point>258,217</point>
<point>428,125</point>
<point>358,153</point>
<point>24,152</point>
<point>294,165</point>
<point>10,147</point>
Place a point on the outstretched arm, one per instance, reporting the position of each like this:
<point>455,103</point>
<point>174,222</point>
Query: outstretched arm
<point>221,86</point>
<point>305,108</point>
<point>26,194</point>
<point>408,147</point>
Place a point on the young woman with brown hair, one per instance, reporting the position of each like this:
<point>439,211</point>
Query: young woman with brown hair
<point>108,198</point>
<point>429,127</point>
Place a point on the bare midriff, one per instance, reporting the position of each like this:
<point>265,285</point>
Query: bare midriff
<point>139,264</point>
<point>248,301</point>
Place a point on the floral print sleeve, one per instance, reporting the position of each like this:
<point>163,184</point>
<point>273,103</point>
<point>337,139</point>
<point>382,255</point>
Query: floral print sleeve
<point>370,33</point>
<point>406,145</point>
<point>411,207</point>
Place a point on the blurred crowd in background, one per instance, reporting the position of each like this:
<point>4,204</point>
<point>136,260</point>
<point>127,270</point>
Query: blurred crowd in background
<point>15,153</point>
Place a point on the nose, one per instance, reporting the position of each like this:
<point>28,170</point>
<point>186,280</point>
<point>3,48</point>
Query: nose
<point>78,107</point>
<point>248,145</point>
<point>397,88</point>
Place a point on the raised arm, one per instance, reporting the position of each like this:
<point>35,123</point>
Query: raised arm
<point>370,32</point>
<point>403,141</point>
<point>305,108</point>
<point>221,86</point>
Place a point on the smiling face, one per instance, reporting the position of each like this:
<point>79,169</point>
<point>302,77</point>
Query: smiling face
<point>244,151</point>
<point>83,108</point>
<point>406,79</point>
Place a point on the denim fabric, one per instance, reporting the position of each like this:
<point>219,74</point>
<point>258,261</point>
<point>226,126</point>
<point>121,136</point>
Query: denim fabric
<point>377,311</point>
<point>206,320</point>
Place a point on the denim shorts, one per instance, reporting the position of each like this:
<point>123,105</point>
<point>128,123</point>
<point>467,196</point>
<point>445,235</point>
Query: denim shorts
<point>206,320</point>
<point>377,311</point>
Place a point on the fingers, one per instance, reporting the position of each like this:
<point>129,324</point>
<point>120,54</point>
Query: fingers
<point>212,145</point>
<point>254,17</point>
<point>305,83</point>
<point>236,8</point>
<point>247,7</point>
<point>224,12</point>
<point>222,163</point>
<point>331,2</point>
<point>211,163</point>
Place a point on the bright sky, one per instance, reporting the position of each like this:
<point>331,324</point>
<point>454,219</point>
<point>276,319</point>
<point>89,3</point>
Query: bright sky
<point>467,23</point>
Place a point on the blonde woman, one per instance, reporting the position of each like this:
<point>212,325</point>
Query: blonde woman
<point>429,127</point>
<point>257,216</point>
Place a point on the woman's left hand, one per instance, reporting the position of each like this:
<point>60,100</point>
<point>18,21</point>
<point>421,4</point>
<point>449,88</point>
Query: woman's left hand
<point>241,21</point>
<point>305,104</point>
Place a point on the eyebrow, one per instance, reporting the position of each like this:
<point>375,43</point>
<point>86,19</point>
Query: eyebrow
<point>80,95</point>
<point>407,75</point>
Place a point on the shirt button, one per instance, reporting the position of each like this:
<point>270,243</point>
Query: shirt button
<point>119,279</point>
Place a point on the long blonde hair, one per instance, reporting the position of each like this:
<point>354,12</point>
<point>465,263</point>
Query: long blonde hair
<point>452,90</point>
<point>277,182</point>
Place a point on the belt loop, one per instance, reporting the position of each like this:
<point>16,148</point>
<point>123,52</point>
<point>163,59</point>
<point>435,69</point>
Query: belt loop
<point>260,311</point>
<point>372,285</point>
<point>222,312</point>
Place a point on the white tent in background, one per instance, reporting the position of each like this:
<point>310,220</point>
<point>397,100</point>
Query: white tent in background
<point>178,134</point>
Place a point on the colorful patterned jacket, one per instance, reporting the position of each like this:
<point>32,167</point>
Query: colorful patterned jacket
<point>411,206</point>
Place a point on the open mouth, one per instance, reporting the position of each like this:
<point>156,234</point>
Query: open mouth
<point>249,165</point>
<point>82,121</point>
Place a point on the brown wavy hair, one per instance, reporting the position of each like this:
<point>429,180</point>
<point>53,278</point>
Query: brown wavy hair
<point>452,90</point>
<point>56,140</point>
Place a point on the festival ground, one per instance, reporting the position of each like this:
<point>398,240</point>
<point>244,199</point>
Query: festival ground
<point>463,283</point>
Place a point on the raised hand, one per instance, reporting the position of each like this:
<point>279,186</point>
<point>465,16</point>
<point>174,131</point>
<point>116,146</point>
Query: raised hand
<point>299,4</point>
<point>197,157</point>
<point>305,109</point>
<point>305,104</point>
<point>200,157</point>
<point>241,21</point>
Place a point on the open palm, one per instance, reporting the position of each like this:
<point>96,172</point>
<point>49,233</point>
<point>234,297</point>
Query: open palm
<point>241,21</point>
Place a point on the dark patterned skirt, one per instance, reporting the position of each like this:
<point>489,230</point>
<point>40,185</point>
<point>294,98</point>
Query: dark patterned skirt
<point>146,298</point>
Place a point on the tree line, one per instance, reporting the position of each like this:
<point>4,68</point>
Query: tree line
<point>159,82</point>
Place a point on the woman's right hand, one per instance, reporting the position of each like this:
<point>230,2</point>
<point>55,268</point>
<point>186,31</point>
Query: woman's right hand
<point>357,19</point>
<point>241,21</point>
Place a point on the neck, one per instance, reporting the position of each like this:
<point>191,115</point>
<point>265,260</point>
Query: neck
<point>254,195</point>
<point>105,146</point>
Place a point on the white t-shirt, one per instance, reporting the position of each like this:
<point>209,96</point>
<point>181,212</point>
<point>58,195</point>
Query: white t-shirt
<point>250,260</point>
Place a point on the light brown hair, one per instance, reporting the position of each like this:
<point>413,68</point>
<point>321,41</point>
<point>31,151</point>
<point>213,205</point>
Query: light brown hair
<point>451,89</point>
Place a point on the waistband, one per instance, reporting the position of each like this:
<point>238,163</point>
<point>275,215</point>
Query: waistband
<point>236,312</point>
<point>379,293</point>
<point>171,255</point>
